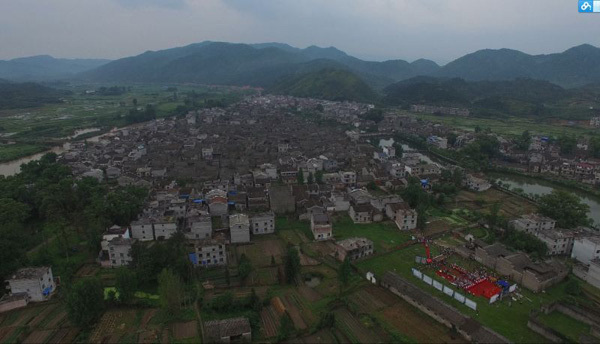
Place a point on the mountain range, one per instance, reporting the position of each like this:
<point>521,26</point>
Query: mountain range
<point>267,64</point>
<point>44,68</point>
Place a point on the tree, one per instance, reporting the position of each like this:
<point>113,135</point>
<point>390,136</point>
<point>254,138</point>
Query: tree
<point>344,272</point>
<point>300,177</point>
<point>286,328</point>
<point>572,287</point>
<point>566,208</point>
<point>126,284</point>
<point>85,302</point>
<point>524,140</point>
<point>319,177</point>
<point>170,289</point>
<point>311,178</point>
<point>244,267</point>
<point>422,217</point>
<point>567,144</point>
<point>135,102</point>
<point>292,264</point>
<point>493,217</point>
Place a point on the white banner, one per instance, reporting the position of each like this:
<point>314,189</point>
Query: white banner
<point>512,288</point>
<point>470,304</point>
<point>427,279</point>
<point>448,291</point>
<point>494,298</point>
<point>437,285</point>
<point>417,273</point>
<point>459,297</point>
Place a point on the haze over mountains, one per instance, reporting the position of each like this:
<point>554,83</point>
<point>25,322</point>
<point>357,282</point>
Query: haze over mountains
<point>268,64</point>
<point>44,67</point>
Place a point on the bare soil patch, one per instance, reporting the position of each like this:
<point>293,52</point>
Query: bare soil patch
<point>6,332</point>
<point>417,325</point>
<point>148,315</point>
<point>38,337</point>
<point>309,293</point>
<point>185,330</point>
<point>148,337</point>
<point>269,319</point>
<point>42,315</point>
<point>294,313</point>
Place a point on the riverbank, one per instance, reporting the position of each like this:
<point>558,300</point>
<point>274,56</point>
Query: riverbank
<point>559,182</point>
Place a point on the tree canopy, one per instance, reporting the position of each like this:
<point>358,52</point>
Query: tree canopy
<point>566,208</point>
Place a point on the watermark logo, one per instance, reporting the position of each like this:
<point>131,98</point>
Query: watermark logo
<point>588,6</point>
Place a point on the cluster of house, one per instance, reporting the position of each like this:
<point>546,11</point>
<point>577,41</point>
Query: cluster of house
<point>518,266</point>
<point>209,220</point>
<point>581,244</point>
<point>440,110</point>
<point>544,156</point>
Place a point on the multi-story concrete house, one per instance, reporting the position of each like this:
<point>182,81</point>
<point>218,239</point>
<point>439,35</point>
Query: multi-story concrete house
<point>208,252</point>
<point>353,248</point>
<point>559,242</point>
<point>361,213</point>
<point>119,251</point>
<point>165,228</point>
<point>37,283</point>
<point>207,153</point>
<point>321,226</point>
<point>239,228</point>
<point>263,223</point>
<point>401,213</point>
<point>586,249</point>
<point>348,178</point>
<point>533,223</point>
<point>198,227</point>
<point>142,230</point>
<point>340,201</point>
<point>477,183</point>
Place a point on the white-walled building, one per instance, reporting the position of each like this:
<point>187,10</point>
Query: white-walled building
<point>263,223</point>
<point>239,228</point>
<point>586,249</point>
<point>37,283</point>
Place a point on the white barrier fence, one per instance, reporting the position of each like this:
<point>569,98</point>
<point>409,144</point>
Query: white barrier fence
<point>446,290</point>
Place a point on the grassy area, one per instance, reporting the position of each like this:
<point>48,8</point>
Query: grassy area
<point>385,235</point>
<point>17,150</point>
<point>291,230</point>
<point>564,324</point>
<point>512,126</point>
<point>506,317</point>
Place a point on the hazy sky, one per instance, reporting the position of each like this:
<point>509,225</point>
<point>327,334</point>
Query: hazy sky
<point>440,30</point>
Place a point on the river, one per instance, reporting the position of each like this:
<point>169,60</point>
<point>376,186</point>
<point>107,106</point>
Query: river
<point>13,167</point>
<point>541,187</point>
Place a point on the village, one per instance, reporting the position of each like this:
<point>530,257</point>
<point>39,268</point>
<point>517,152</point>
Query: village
<point>253,180</point>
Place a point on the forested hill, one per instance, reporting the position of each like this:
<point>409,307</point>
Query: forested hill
<point>264,64</point>
<point>24,95</point>
<point>574,67</point>
<point>44,68</point>
<point>330,84</point>
<point>243,64</point>
<point>525,97</point>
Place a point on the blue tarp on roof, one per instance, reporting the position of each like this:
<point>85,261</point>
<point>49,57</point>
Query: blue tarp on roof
<point>231,203</point>
<point>198,201</point>
<point>233,193</point>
